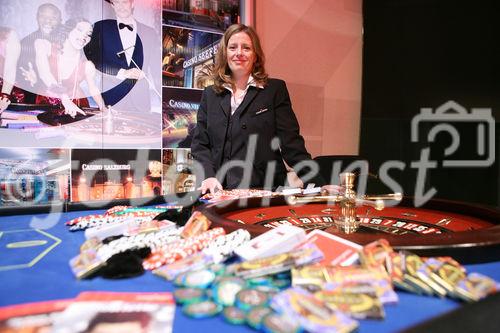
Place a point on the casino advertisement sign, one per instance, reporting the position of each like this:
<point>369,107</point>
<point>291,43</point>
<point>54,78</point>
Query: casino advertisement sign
<point>180,107</point>
<point>187,56</point>
<point>115,174</point>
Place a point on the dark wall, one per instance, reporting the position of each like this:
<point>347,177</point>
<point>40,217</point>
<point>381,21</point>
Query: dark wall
<point>422,54</point>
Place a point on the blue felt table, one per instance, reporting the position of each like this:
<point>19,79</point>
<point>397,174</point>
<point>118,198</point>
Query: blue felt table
<point>41,272</point>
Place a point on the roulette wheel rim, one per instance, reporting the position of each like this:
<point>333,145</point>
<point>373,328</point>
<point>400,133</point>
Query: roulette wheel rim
<point>472,246</point>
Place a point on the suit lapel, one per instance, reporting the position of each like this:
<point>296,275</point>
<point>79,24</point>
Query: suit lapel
<point>251,93</point>
<point>225,103</point>
<point>138,54</point>
<point>115,33</point>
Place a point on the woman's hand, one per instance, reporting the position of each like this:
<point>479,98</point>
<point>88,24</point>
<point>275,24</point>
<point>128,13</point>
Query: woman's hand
<point>332,189</point>
<point>210,184</point>
<point>4,103</point>
<point>70,108</point>
<point>29,74</point>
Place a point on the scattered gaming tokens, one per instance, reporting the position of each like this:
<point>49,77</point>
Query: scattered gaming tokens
<point>249,298</point>
<point>275,323</point>
<point>256,315</point>
<point>234,315</point>
<point>189,295</point>
<point>203,309</point>
<point>225,291</point>
<point>199,279</point>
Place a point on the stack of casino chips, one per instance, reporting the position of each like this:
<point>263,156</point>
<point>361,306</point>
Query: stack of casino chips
<point>117,214</point>
<point>153,240</point>
<point>181,248</point>
<point>432,276</point>
<point>220,249</point>
<point>247,293</point>
<point>320,297</point>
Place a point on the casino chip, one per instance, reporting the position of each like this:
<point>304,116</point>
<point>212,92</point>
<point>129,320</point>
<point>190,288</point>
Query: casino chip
<point>256,315</point>
<point>203,309</point>
<point>275,323</point>
<point>249,298</point>
<point>234,315</point>
<point>234,194</point>
<point>199,279</point>
<point>189,295</point>
<point>225,291</point>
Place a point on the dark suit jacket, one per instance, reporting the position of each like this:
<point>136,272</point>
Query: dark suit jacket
<point>220,137</point>
<point>103,48</point>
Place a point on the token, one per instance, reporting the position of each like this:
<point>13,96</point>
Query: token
<point>256,315</point>
<point>234,315</point>
<point>274,323</point>
<point>203,309</point>
<point>282,283</point>
<point>199,279</point>
<point>225,291</point>
<point>189,295</point>
<point>260,281</point>
<point>249,298</point>
<point>356,305</point>
<point>269,290</point>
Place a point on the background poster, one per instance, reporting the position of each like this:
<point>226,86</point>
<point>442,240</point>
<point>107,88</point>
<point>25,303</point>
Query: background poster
<point>186,54</point>
<point>33,176</point>
<point>180,107</point>
<point>177,171</point>
<point>215,15</point>
<point>38,116</point>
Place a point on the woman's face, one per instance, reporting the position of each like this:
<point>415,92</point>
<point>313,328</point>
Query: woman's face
<point>80,35</point>
<point>240,54</point>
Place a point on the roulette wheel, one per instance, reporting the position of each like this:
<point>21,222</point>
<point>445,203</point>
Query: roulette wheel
<point>119,127</point>
<point>467,232</point>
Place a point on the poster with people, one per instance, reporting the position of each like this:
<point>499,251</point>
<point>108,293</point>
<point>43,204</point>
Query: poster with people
<point>83,74</point>
<point>100,75</point>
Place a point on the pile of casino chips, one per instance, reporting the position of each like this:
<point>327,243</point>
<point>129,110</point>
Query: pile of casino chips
<point>259,293</point>
<point>234,194</point>
<point>287,293</point>
<point>116,214</point>
<point>432,276</point>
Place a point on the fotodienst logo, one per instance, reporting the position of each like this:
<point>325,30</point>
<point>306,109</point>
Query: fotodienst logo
<point>444,117</point>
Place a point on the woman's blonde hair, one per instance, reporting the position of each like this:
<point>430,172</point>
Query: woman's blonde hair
<point>221,73</point>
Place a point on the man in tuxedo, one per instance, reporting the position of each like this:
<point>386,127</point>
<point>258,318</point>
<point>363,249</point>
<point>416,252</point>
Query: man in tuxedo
<point>48,17</point>
<point>117,50</point>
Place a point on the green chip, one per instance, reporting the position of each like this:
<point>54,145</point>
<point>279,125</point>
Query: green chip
<point>282,283</point>
<point>189,295</point>
<point>234,315</point>
<point>203,309</point>
<point>256,315</point>
<point>225,291</point>
<point>249,298</point>
<point>260,281</point>
<point>199,279</point>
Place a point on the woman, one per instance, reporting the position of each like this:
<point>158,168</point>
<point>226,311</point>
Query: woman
<point>246,127</point>
<point>10,49</point>
<point>63,67</point>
